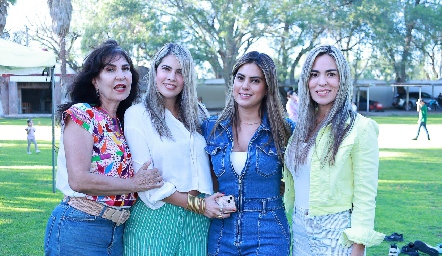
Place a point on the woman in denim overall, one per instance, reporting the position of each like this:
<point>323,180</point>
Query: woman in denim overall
<point>246,144</point>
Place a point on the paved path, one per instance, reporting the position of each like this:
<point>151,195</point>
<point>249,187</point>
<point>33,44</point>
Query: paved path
<point>390,135</point>
<point>400,136</point>
<point>17,132</point>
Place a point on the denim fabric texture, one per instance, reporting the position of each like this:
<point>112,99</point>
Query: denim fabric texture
<point>73,232</point>
<point>422,124</point>
<point>259,227</point>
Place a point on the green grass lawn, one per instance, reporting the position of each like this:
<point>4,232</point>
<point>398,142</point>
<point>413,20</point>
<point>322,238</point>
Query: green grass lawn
<point>433,118</point>
<point>39,121</point>
<point>26,198</point>
<point>408,202</point>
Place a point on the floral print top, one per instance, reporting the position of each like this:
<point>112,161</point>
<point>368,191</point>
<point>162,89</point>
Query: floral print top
<point>110,154</point>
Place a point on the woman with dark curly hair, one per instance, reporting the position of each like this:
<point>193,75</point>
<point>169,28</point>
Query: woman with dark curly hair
<point>95,171</point>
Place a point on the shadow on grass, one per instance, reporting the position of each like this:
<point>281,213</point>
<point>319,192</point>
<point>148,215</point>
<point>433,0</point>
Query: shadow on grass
<point>408,201</point>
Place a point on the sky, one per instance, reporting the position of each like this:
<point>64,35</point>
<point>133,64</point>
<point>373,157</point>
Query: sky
<point>22,11</point>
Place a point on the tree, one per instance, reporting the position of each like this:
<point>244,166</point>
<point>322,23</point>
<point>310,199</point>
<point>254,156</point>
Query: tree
<point>400,33</point>
<point>44,34</point>
<point>136,25</point>
<point>61,14</point>
<point>352,34</point>
<point>4,5</point>
<point>297,30</point>
<point>221,30</point>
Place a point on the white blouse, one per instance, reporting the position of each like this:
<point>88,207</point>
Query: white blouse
<point>183,162</point>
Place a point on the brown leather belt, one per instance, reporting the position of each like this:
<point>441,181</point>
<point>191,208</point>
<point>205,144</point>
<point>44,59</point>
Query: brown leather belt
<point>119,216</point>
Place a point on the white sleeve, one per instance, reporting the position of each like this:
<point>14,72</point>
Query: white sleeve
<point>136,131</point>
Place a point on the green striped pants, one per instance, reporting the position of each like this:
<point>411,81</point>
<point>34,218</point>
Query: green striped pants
<point>169,230</point>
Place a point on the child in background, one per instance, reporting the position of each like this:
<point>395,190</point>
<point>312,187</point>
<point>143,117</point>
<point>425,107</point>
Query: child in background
<point>30,130</point>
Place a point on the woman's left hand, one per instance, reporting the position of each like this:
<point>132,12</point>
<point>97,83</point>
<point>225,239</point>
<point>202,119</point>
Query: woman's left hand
<point>358,250</point>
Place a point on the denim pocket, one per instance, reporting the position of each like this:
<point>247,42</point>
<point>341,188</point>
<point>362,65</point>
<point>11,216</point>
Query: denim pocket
<point>78,216</point>
<point>217,157</point>
<point>267,161</point>
<point>281,219</point>
<point>49,233</point>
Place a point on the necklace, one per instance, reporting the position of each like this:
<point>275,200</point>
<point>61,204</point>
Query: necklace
<point>252,123</point>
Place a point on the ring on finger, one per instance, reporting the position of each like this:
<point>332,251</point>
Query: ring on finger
<point>220,216</point>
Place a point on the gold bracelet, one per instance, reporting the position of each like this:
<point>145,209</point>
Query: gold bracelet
<point>203,205</point>
<point>195,204</point>
<point>191,203</point>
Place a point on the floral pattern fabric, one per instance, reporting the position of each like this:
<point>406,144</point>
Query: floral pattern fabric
<point>110,154</point>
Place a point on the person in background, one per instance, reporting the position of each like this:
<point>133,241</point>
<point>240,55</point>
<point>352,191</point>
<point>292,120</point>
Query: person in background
<point>30,130</point>
<point>422,121</point>
<point>246,143</point>
<point>166,128</point>
<point>332,163</point>
<point>292,105</point>
<point>95,171</point>
<point>354,107</point>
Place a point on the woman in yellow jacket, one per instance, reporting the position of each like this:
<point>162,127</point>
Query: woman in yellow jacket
<point>331,163</point>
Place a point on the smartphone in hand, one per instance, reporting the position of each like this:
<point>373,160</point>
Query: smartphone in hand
<point>228,203</point>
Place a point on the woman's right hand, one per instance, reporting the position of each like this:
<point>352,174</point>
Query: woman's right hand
<point>214,210</point>
<point>146,179</point>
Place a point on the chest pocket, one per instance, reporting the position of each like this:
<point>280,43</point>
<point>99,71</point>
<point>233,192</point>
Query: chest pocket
<point>217,155</point>
<point>267,162</point>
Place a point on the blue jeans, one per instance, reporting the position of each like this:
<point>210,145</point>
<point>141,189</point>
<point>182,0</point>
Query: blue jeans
<point>73,232</point>
<point>254,230</point>
<point>422,124</point>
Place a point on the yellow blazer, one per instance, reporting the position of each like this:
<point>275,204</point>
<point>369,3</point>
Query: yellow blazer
<point>351,183</point>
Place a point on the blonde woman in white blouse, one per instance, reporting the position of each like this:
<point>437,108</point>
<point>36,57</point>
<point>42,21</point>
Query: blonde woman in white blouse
<point>165,128</point>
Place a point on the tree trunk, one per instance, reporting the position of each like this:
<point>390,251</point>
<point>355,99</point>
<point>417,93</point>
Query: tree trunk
<point>64,96</point>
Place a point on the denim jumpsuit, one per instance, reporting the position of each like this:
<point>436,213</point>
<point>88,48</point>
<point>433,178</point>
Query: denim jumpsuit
<point>259,226</point>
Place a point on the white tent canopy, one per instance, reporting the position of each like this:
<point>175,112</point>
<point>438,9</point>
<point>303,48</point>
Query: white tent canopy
<point>21,60</point>
<point>16,59</point>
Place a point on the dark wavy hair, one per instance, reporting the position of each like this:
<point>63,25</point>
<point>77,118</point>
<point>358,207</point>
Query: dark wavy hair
<point>83,91</point>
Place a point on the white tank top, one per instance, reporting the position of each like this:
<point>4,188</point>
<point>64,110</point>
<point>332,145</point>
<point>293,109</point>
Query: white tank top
<point>302,183</point>
<point>238,161</point>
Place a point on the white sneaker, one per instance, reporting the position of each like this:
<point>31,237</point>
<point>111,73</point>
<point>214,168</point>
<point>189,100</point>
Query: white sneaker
<point>29,153</point>
<point>394,251</point>
<point>439,248</point>
<point>37,151</point>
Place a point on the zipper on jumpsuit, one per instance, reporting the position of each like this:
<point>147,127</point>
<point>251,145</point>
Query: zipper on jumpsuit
<point>238,220</point>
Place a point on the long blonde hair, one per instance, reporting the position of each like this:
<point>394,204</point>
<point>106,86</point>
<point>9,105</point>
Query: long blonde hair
<point>341,117</point>
<point>186,101</point>
<point>271,103</point>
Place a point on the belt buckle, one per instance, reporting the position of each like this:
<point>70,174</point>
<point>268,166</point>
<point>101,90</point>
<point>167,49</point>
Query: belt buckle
<point>264,206</point>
